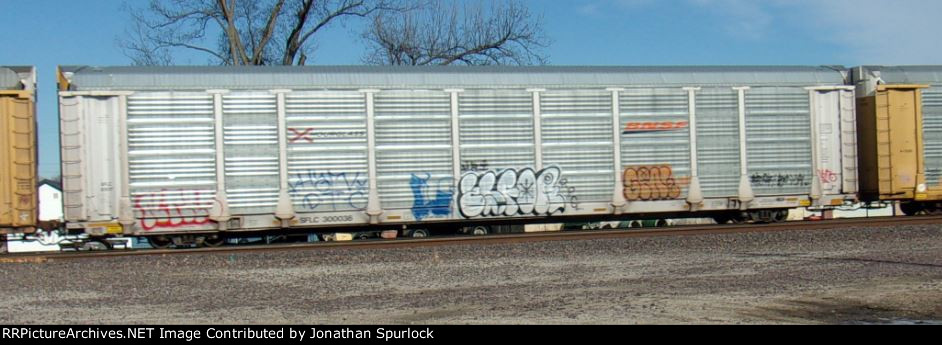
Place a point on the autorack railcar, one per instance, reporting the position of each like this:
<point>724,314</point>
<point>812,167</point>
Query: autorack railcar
<point>18,156</point>
<point>197,153</point>
<point>900,119</point>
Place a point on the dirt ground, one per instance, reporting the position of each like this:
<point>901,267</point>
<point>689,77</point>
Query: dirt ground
<point>878,275</point>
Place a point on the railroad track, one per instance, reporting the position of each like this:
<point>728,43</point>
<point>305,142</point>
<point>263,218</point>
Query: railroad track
<point>683,230</point>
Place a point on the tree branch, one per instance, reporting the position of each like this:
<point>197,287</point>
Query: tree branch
<point>267,35</point>
<point>504,33</point>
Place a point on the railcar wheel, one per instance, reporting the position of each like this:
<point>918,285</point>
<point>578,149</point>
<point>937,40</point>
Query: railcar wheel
<point>420,233</point>
<point>213,241</point>
<point>159,242</point>
<point>934,209</point>
<point>779,216</point>
<point>911,208</point>
<point>96,244</point>
<point>731,217</point>
<point>480,230</point>
<point>738,219</point>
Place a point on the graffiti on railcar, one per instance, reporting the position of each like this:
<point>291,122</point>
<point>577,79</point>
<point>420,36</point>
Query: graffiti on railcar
<point>330,191</point>
<point>652,182</point>
<point>514,192</point>
<point>172,208</point>
<point>473,165</point>
<point>827,176</point>
<point>779,180</point>
<point>652,126</point>
<point>309,134</point>
<point>298,134</point>
<point>424,206</point>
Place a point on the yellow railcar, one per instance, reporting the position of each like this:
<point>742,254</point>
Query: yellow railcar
<point>18,196</point>
<point>899,129</point>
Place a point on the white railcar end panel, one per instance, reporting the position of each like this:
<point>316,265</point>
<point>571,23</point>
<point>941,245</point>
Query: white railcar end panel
<point>72,142</point>
<point>90,157</point>
<point>837,141</point>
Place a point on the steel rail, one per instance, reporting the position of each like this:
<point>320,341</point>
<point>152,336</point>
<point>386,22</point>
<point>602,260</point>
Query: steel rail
<point>683,230</point>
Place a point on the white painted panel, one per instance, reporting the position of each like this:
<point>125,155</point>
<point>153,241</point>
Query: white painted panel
<point>718,141</point>
<point>849,141</point>
<point>327,151</point>
<point>171,159</point>
<point>50,203</point>
<point>496,130</point>
<point>72,143</point>
<point>577,138</point>
<point>932,134</point>
<point>414,164</point>
<point>250,126</point>
<point>655,143</point>
<point>91,174</point>
<point>827,108</point>
<point>778,140</point>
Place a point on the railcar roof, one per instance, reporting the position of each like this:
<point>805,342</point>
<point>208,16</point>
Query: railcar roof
<point>11,77</point>
<point>931,74</point>
<point>433,77</point>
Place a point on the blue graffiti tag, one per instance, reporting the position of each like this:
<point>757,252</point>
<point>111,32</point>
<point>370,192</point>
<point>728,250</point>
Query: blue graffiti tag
<point>331,190</point>
<point>423,207</point>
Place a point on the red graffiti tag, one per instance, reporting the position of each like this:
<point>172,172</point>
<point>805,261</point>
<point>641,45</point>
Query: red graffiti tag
<point>171,208</point>
<point>651,126</point>
<point>827,176</point>
<point>302,135</point>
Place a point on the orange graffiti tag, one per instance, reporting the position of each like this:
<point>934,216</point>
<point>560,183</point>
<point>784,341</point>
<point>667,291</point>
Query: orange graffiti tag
<point>652,182</point>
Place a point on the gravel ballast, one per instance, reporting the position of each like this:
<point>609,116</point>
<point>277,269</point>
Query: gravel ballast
<point>874,275</point>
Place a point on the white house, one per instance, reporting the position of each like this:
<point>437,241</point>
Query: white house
<point>50,201</point>
<point>50,209</point>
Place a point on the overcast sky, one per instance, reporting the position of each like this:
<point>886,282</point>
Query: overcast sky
<point>47,33</point>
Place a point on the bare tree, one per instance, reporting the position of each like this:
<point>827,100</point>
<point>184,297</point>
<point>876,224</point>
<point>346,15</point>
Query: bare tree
<point>470,33</point>
<point>246,32</point>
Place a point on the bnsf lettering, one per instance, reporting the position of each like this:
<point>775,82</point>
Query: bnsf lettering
<point>650,126</point>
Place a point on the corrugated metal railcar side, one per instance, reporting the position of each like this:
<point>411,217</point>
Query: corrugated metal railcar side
<point>18,190</point>
<point>193,150</point>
